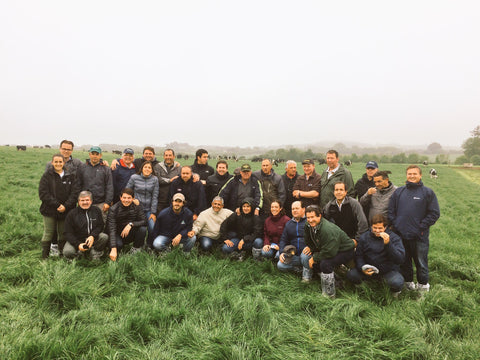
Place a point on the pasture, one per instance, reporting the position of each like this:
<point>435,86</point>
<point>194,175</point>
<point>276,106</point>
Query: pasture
<point>206,307</point>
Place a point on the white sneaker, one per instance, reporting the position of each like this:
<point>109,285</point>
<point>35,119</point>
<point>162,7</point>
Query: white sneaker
<point>410,285</point>
<point>395,294</point>
<point>54,250</point>
<point>423,288</point>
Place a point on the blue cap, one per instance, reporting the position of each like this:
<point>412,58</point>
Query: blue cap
<point>372,165</point>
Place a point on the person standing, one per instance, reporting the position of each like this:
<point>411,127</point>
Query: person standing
<point>58,193</point>
<point>200,166</point>
<point>307,187</point>
<point>289,179</point>
<point>167,171</point>
<point>334,173</point>
<point>412,210</point>
<point>97,178</point>
<point>122,173</point>
<point>366,182</point>
<point>216,181</point>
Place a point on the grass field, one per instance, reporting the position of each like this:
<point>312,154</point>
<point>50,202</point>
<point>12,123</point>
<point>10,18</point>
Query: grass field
<point>205,307</point>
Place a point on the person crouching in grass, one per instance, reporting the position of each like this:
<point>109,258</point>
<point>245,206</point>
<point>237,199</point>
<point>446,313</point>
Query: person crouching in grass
<point>126,223</point>
<point>379,254</point>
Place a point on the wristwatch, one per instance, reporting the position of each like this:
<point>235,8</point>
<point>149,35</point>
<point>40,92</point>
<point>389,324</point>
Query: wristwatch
<point>131,224</point>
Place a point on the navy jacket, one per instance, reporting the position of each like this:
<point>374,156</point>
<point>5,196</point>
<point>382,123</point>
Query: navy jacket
<point>412,209</point>
<point>120,177</point>
<point>371,250</point>
<point>293,234</point>
<point>170,224</point>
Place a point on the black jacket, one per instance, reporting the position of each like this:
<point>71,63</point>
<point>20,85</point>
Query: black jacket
<point>229,192</point>
<point>204,171</point>
<point>80,224</point>
<point>55,191</point>
<point>194,193</point>
<point>214,184</point>
<point>119,216</point>
<point>247,226</point>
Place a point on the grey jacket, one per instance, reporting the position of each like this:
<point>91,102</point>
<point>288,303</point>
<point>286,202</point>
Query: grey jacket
<point>98,180</point>
<point>164,175</point>
<point>378,202</point>
<point>146,191</point>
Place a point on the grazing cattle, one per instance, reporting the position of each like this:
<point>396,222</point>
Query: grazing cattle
<point>433,174</point>
<point>48,147</point>
<point>185,157</point>
<point>321,161</point>
<point>348,163</point>
<point>118,152</point>
<point>426,163</point>
<point>274,162</point>
<point>21,147</point>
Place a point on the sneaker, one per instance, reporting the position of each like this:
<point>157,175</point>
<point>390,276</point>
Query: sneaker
<point>423,288</point>
<point>395,294</point>
<point>134,250</point>
<point>410,285</point>
<point>54,250</point>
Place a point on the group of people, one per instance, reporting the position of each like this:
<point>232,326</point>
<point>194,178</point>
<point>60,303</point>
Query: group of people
<point>310,223</point>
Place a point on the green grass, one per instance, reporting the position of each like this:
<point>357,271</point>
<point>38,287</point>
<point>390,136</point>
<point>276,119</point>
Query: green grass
<point>206,307</point>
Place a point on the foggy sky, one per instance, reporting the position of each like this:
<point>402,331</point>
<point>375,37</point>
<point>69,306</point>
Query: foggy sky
<point>240,73</point>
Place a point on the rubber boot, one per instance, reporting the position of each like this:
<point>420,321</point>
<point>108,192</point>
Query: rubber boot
<point>307,274</point>
<point>45,249</point>
<point>328,284</point>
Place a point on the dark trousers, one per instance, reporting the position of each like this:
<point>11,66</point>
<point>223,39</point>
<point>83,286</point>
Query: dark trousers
<point>136,235</point>
<point>327,266</point>
<point>416,251</point>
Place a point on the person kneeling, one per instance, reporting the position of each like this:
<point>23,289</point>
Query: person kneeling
<point>83,229</point>
<point>173,225</point>
<point>379,254</point>
<point>126,223</point>
<point>329,246</point>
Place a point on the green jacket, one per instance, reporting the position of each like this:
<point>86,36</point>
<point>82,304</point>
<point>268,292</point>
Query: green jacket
<point>328,185</point>
<point>327,241</point>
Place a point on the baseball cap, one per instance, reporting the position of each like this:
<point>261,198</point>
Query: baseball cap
<point>245,167</point>
<point>179,196</point>
<point>371,164</point>
<point>128,151</point>
<point>95,149</point>
<point>308,162</point>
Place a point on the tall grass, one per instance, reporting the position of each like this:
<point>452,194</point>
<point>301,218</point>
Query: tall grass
<point>207,307</point>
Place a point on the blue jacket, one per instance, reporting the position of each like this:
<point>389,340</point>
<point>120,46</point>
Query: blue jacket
<point>293,234</point>
<point>412,209</point>
<point>170,224</point>
<point>371,250</point>
<point>120,177</point>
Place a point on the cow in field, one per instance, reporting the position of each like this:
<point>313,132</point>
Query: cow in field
<point>21,148</point>
<point>348,163</point>
<point>433,173</point>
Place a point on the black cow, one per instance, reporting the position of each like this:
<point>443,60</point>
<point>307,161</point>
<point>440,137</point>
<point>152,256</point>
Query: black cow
<point>21,147</point>
<point>348,163</point>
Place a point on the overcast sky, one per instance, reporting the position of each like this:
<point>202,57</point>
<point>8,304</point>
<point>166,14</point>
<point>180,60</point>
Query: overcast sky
<point>240,73</point>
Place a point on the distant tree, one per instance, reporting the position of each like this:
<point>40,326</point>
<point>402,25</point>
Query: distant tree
<point>462,159</point>
<point>384,159</point>
<point>434,148</point>
<point>471,146</point>
<point>413,158</point>
<point>399,158</point>
<point>442,159</point>
<point>475,159</point>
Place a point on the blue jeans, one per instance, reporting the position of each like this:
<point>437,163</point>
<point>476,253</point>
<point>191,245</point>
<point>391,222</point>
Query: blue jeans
<point>416,250</point>
<point>298,264</point>
<point>150,222</point>
<point>162,243</point>
<point>257,244</point>
<point>393,278</point>
<point>206,244</point>
<point>271,254</point>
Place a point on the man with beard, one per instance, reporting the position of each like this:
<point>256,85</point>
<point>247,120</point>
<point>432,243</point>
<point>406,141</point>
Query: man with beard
<point>167,171</point>
<point>194,192</point>
<point>289,179</point>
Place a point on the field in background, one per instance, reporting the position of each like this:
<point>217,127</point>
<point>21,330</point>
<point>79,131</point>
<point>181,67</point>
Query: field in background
<point>144,307</point>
